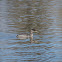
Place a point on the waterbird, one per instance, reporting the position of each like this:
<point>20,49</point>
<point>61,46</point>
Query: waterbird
<point>25,35</point>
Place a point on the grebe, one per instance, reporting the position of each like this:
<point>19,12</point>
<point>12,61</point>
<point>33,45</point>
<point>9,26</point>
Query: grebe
<point>25,36</point>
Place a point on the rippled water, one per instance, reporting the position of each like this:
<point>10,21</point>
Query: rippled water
<point>19,16</point>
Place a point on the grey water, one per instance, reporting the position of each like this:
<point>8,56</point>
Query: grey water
<point>19,16</point>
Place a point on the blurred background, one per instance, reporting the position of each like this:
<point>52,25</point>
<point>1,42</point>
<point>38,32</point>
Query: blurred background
<point>17,16</point>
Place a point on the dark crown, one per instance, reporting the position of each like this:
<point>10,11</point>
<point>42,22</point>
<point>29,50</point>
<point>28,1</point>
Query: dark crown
<point>33,29</point>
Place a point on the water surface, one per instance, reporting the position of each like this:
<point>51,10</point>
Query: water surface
<point>20,16</point>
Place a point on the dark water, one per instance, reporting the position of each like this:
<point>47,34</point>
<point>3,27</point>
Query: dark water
<point>17,16</point>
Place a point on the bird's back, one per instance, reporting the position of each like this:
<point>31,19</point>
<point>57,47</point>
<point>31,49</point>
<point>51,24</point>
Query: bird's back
<point>23,36</point>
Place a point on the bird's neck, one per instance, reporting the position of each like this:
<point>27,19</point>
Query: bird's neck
<point>31,34</point>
